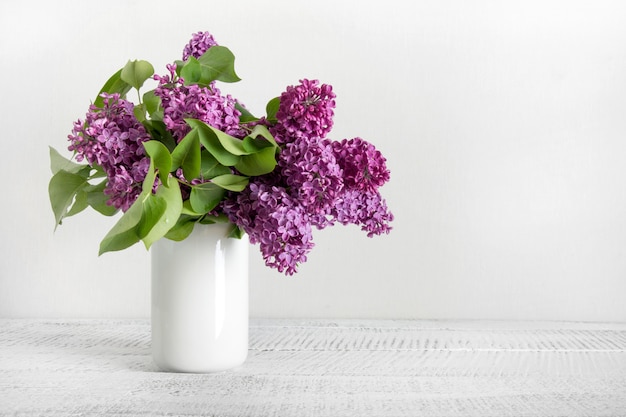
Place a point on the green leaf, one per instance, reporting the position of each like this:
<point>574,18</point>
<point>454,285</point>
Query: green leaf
<point>80,203</point>
<point>124,233</point>
<point>182,229</point>
<point>97,172</point>
<point>210,167</point>
<point>192,73</point>
<point>161,213</point>
<point>217,63</point>
<point>62,189</point>
<point>135,73</point>
<point>272,108</point>
<point>98,200</point>
<point>205,197</point>
<point>246,116</point>
<point>260,130</point>
<point>187,155</point>
<point>211,142</point>
<point>148,181</point>
<point>152,102</point>
<point>60,163</point>
<point>259,139</point>
<point>231,182</point>
<point>188,210</point>
<point>158,131</point>
<point>236,232</point>
<point>209,219</point>
<point>153,209</point>
<point>179,65</point>
<point>260,163</point>
<point>115,84</point>
<point>140,112</point>
<point>222,61</point>
<point>230,143</point>
<point>161,157</point>
<point>174,206</point>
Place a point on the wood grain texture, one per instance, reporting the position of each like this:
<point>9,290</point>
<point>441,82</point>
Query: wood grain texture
<point>322,368</point>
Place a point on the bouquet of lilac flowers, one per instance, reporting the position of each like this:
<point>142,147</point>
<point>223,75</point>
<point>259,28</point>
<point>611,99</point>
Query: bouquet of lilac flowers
<point>186,154</point>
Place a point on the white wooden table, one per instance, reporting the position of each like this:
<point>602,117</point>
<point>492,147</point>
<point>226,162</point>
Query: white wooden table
<point>322,368</point>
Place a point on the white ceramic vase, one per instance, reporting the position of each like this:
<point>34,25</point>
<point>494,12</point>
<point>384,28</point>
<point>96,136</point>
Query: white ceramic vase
<point>200,301</point>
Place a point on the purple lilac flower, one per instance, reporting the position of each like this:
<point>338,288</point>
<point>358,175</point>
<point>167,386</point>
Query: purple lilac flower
<point>364,171</point>
<point>364,208</point>
<point>312,175</point>
<point>200,42</point>
<point>364,167</point>
<point>112,137</point>
<point>206,104</point>
<point>275,221</point>
<point>306,110</point>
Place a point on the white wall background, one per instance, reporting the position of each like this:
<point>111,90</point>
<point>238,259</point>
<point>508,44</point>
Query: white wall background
<point>503,124</point>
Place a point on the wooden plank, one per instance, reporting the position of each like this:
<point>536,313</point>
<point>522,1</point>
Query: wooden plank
<point>322,368</point>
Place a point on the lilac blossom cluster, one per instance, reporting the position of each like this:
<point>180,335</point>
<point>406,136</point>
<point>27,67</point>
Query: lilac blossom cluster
<point>309,169</point>
<point>276,221</point>
<point>317,183</point>
<point>112,137</point>
<point>200,43</point>
<point>306,110</point>
<point>180,101</point>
